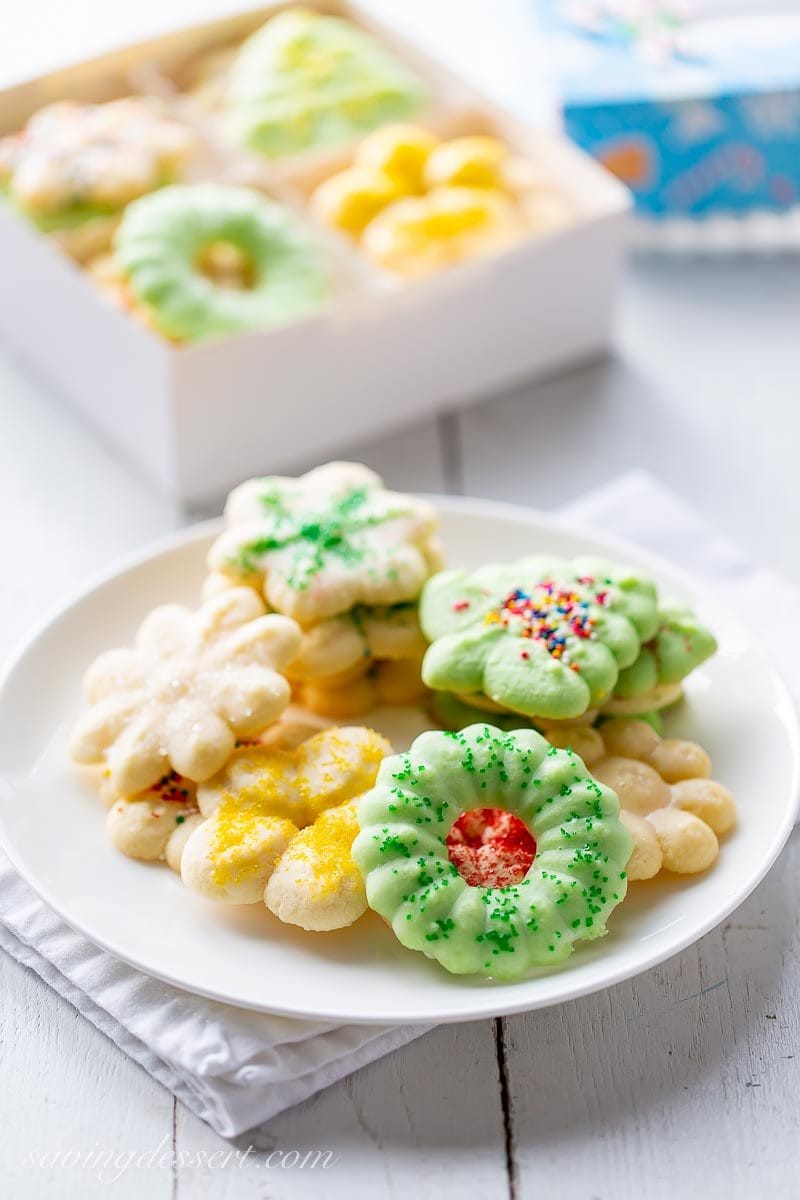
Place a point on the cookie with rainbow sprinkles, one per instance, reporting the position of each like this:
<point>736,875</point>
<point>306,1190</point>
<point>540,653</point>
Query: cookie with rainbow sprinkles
<point>681,643</point>
<point>544,637</point>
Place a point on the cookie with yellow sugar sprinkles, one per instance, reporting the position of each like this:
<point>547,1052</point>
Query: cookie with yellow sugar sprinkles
<point>256,806</point>
<point>316,884</point>
<point>491,851</point>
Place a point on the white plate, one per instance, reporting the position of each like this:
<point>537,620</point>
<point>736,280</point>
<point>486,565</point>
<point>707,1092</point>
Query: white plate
<point>52,825</point>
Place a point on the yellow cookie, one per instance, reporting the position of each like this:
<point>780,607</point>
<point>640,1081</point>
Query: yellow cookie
<point>316,884</point>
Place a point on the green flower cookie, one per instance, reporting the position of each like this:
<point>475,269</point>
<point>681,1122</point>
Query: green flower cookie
<point>451,712</point>
<point>576,878</point>
<point>543,636</point>
<point>681,643</point>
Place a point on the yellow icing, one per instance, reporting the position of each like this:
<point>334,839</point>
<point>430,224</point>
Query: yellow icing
<point>275,785</point>
<point>326,848</point>
<point>233,829</point>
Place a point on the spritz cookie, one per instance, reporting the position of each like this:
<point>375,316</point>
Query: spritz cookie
<point>204,260</point>
<point>451,711</point>
<point>142,826</point>
<point>316,884</point>
<point>543,637</point>
<point>255,807</point>
<point>673,810</point>
<point>348,665</point>
<point>193,684</point>
<point>74,167</point>
<point>563,875</point>
<point>653,680</point>
<point>307,81</point>
<point>414,202</point>
<point>322,544</point>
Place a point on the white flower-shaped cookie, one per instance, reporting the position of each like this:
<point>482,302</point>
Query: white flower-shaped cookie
<point>194,683</point>
<point>321,544</point>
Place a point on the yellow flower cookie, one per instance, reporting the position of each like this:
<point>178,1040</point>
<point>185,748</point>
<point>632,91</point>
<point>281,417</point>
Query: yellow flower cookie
<point>446,225</point>
<point>399,151</point>
<point>193,684</point>
<point>256,805</point>
<point>413,202</point>
<point>316,884</point>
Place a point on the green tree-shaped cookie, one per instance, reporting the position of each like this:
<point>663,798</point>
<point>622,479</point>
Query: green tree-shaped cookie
<point>304,80</point>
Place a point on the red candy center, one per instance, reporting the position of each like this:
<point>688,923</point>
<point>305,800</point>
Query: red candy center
<point>491,847</point>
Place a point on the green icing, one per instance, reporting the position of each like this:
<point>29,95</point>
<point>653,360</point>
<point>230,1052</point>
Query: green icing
<point>305,80</point>
<point>681,643</point>
<point>543,636</point>
<point>575,881</point>
<point>451,712</point>
<point>162,236</point>
<point>327,543</point>
<point>313,536</point>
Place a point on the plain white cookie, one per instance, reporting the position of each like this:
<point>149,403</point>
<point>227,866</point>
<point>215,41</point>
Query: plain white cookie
<point>688,844</point>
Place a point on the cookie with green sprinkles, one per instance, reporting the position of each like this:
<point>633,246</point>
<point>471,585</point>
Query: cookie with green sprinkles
<point>491,851</point>
<point>319,545</point>
<point>544,637</point>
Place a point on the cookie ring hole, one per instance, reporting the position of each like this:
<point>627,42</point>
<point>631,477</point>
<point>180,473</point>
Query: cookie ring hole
<point>227,266</point>
<point>491,847</point>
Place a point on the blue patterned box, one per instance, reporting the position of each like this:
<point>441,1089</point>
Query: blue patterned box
<point>696,106</point>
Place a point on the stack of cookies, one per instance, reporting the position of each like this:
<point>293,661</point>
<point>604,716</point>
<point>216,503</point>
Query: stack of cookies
<point>347,560</point>
<point>555,641</point>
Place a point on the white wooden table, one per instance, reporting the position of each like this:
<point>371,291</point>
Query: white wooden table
<point>683,1082</point>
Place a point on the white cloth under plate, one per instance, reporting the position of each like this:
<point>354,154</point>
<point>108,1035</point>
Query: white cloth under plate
<point>236,1069</point>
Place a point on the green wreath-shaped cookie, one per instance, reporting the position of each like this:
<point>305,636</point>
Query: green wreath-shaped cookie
<point>681,643</point>
<point>543,636</point>
<point>576,879</point>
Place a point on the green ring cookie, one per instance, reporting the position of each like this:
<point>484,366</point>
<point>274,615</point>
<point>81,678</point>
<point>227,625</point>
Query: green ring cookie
<point>575,881</point>
<point>163,236</point>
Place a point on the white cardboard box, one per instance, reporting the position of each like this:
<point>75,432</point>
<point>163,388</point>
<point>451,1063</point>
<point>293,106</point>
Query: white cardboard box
<point>199,418</point>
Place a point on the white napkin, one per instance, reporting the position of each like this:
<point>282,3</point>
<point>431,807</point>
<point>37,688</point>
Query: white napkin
<point>236,1069</point>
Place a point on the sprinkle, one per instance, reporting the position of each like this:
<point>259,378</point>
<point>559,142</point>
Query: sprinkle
<point>554,616</point>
